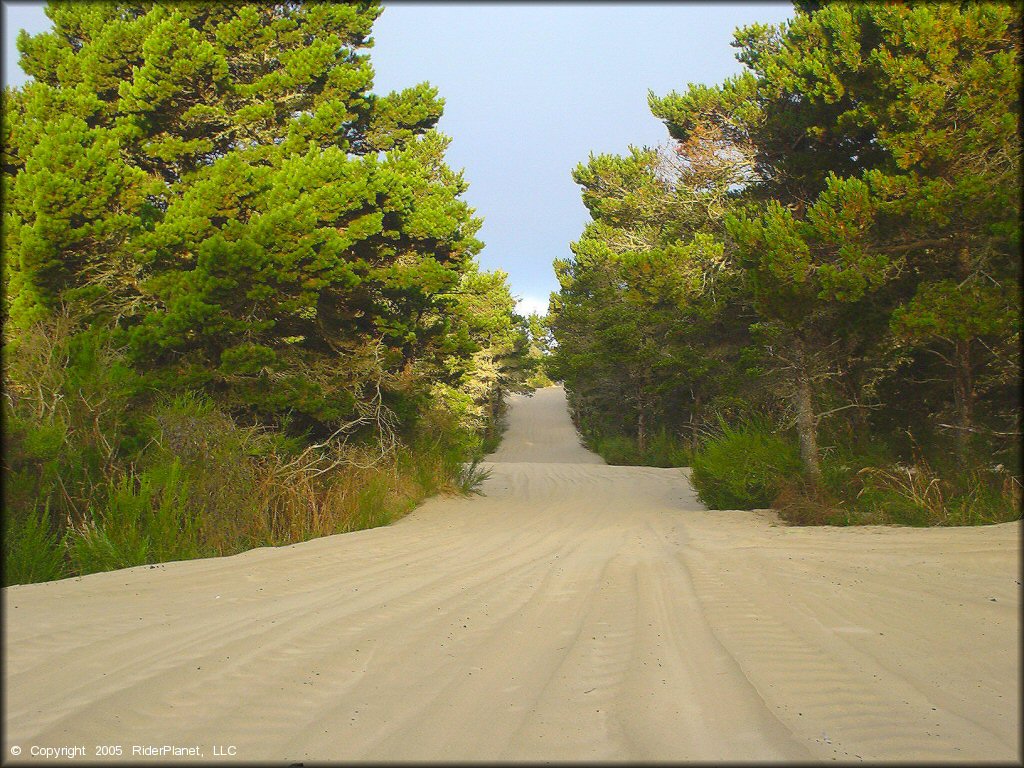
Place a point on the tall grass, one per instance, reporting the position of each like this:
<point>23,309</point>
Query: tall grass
<point>98,477</point>
<point>176,509</point>
<point>914,494</point>
<point>471,477</point>
<point>32,550</point>
<point>874,488</point>
<point>144,520</point>
<point>749,465</point>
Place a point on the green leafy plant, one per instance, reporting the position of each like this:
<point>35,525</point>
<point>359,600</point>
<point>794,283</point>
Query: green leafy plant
<point>662,449</point>
<point>144,520</point>
<point>32,551</point>
<point>914,494</point>
<point>471,478</point>
<point>742,466</point>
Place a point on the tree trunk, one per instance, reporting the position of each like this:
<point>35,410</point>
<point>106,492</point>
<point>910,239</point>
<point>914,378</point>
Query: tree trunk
<point>858,425</point>
<point>806,424</point>
<point>861,426</point>
<point>694,421</point>
<point>963,397</point>
<point>641,438</point>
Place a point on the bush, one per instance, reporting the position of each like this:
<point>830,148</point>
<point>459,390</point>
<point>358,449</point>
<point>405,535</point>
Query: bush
<point>988,496</point>
<point>471,478</point>
<point>145,520</point>
<point>70,413</point>
<point>32,551</point>
<point>126,479</point>
<point>666,450</point>
<point>615,449</point>
<point>869,485</point>
<point>901,495</point>
<point>219,462</point>
<point>800,503</point>
<point>914,494</point>
<point>743,466</point>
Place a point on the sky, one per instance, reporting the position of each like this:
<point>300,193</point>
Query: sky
<point>531,90</point>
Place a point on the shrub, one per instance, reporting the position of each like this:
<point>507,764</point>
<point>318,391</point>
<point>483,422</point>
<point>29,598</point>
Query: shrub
<point>538,380</point>
<point>144,520</point>
<point>743,466</point>
<point>32,551</point>
<point>218,462</point>
<point>371,505</point>
<point>840,465</point>
<point>615,449</point>
<point>801,503</point>
<point>125,479</point>
<point>903,494</point>
<point>990,495</point>
<point>471,478</point>
<point>70,416</point>
<point>493,436</point>
<point>666,450</point>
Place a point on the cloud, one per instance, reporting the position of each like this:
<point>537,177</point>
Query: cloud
<point>529,304</point>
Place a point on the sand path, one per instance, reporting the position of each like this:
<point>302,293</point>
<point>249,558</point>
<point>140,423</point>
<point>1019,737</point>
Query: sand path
<point>576,612</point>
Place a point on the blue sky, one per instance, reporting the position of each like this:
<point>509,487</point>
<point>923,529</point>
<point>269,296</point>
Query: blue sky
<point>531,89</point>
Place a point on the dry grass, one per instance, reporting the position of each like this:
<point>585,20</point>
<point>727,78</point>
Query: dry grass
<point>916,485</point>
<point>100,474</point>
<point>801,504</point>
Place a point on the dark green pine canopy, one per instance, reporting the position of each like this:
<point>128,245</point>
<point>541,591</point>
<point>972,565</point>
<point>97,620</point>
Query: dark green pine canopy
<point>220,181</point>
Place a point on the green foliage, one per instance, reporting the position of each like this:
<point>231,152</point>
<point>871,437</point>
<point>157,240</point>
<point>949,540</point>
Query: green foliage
<point>869,485</point>
<point>952,311</point>
<point>240,286</point>
<point>539,351</point>
<point>221,183</point>
<point>371,506</point>
<point>662,449</point>
<point>915,494</point>
<point>743,466</point>
<point>32,551</point>
<point>471,477</point>
<point>203,485</point>
<point>69,416</point>
<point>831,237</point>
<point>615,449</point>
<point>984,496</point>
<point>144,519</point>
<point>500,357</point>
<point>218,461</point>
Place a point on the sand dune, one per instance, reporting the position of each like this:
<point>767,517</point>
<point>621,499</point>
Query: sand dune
<point>576,612</point>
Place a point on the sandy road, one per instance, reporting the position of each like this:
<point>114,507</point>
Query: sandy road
<point>576,612</point>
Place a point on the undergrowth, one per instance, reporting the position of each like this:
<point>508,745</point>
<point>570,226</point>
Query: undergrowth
<point>662,449</point>
<point>863,491</point>
<point>98,477</point>
<point>750,465</point>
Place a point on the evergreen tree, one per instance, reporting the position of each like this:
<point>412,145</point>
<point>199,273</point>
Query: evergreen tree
<point>849,204</point>
<point>650,279</point>
<point>886,157</point>
<point>219,181</point>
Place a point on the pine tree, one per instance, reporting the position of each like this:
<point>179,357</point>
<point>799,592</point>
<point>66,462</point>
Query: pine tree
<point>220,181</point>
<point>884,158</point>
<point>850,203</point>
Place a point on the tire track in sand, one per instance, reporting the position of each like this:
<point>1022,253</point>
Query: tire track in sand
<point>574,612</point>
